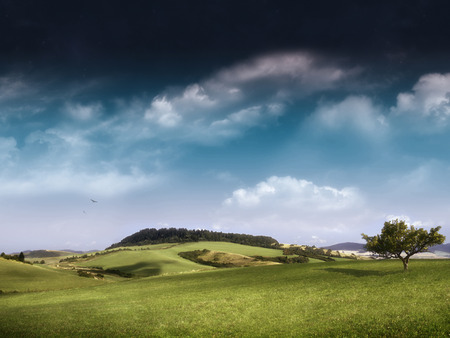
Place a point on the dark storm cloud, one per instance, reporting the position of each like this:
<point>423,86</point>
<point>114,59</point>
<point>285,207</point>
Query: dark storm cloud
<point>113,32</point>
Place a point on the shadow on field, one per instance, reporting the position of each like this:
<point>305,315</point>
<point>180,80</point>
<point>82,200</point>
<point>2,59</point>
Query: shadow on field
<point>141,269</point>
<point>361,273</point>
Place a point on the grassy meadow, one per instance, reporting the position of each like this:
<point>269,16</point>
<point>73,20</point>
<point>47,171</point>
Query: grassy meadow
<point>161,259</point>
<point>345,298</point>
<point>20,277</point>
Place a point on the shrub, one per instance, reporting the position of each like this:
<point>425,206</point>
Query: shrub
<point>83,273</point>
<point>311,252</point>
<point>119,273</point>
<point>283,259</point>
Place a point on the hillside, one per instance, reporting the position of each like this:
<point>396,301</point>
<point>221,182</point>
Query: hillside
<point>171,258</point>
<point>182,235</point>
<point>20,277</point>
<point>160,259</point>
<point>48,253</point>
<point>335,299</point>
<point>265,299</point>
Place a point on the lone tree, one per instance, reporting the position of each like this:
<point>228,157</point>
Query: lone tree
<point>399,241</point>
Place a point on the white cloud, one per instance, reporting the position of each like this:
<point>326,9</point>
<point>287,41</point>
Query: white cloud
<point>407,219</point>
<point>399,217</point>
<point>195,94</point>
<point>73,160</point>
<point>246,95</point>
<point>300,70</point>
<point>205,124</point>
<point>315,240</point>
<point>163,113</point>
<point>289,192</point>
<point>289,207</point>
<point>430,97</point>
<point>8,146</point>
<point>249,94</point>
<point>67,180</point>
<point>82,112</point>
<point>246,117</point>
<point>357,112</point>
<point>59,141</point>
<point>187,106</point>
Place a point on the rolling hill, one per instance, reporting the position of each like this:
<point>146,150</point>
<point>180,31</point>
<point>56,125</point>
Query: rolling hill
<point>19,277</point>
<point>159,259</point>
<point>330,299</point>
<point>49,253</point>
<point>170,295</point>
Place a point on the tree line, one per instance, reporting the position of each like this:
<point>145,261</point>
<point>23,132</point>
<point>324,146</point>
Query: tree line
<point>182,235</point>
<point>20,257</point>
<point>310,252</point>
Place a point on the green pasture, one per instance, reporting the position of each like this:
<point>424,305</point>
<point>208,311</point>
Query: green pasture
<point>213,246</point>
<point>230,248</point>
<point>19,277</point>
<point>161,259</point>
<point>143,263</point>
<point>346,298</point>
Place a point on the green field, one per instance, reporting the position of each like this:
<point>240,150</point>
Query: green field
<point>20,277</point>
<point>346,298</point>
<point>163,258</point>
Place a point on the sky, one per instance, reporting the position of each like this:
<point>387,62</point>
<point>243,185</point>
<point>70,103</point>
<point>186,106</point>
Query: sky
<point>311,122</point>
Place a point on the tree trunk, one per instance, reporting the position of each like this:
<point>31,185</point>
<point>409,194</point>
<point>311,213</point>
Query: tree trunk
<point>405,263</point>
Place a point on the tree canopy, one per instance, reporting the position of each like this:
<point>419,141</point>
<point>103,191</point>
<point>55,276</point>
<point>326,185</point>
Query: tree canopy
<point>398,240</point>
<point>181,235</point>
<point>20,257</point>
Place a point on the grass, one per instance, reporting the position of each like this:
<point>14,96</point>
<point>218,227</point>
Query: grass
<point>144,263</point>
<point>20,277</point>
<point>351,298</point>
<point>163,258</point>
<point>229,247</point>
<point>223,259</point>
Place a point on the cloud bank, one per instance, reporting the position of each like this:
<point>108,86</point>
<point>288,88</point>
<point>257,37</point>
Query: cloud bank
<point>65,132</point>
<point>246,95</point>
<point>296,206</point>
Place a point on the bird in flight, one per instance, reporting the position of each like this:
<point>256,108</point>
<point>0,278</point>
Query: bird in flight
<point>93,201</point>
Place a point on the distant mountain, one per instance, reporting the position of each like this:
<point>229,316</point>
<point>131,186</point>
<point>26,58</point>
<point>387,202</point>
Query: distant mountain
<point>48,253</point>
<point>346,246</point>
<point>52,253</point>
<point>360,247</point>
<point>77,251</point>
<point>440,247</point>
